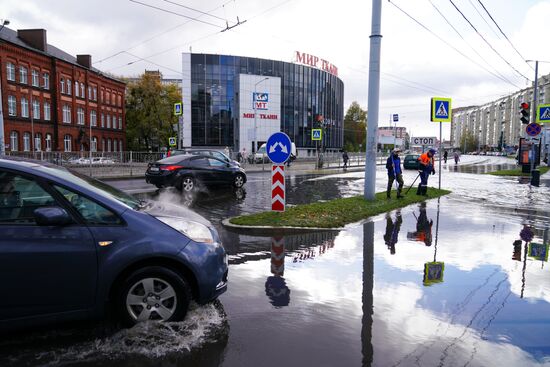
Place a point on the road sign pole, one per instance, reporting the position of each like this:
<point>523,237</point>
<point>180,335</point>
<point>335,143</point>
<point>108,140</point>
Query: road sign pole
<point>534,107</point>
<point>440,149</point>
<point>369,190</point>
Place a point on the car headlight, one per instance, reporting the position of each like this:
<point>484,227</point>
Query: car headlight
<point>194,230</point>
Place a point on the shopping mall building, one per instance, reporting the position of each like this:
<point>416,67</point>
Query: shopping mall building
<point>233,101</point>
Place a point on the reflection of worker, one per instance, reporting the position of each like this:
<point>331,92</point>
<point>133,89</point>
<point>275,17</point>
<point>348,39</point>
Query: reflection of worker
<point>277,291</point>
<point>9,197</point>
<point>427,166</point>
<point>423,227</point>
<point>392,231</point>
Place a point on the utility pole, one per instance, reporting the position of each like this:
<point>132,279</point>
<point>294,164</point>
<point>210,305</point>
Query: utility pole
<point>373,102</point>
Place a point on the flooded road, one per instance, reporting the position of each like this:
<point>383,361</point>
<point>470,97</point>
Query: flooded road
<point>459,281</point>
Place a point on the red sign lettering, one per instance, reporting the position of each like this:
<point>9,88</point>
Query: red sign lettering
<point>310,60</point>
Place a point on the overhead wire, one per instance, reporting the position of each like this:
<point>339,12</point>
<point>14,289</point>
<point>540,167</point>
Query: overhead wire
<point>484,20</point>
<point>501,31</point>
<point>178,14</point>
<point>487,42</point>
<point>471,47</point>
<point>157,35</point>
<point>451,46</point>
<point>193,9</point>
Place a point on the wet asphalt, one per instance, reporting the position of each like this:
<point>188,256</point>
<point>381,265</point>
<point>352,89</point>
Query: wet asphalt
<point>450,282</point>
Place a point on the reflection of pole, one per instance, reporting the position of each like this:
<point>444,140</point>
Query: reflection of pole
<point>523,270</point>
<point>436,229</point>
<point>368,285</point>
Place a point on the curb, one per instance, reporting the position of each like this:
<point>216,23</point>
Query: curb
<point>267,231</point>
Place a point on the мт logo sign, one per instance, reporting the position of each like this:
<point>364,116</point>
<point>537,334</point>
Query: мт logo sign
<point>260,101</point>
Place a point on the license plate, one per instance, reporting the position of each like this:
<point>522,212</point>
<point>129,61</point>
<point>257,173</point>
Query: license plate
<point>154,169</point>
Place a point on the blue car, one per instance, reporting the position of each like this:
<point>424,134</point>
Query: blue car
<point>71,247</point>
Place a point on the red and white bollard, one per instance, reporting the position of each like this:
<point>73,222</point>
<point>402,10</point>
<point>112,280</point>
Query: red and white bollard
<point>278,188</point>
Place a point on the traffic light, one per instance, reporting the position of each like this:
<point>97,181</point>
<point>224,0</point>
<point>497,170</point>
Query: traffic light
<point>525,113</point>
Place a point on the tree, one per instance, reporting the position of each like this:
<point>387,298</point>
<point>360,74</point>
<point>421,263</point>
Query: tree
<point>468,142</point>
<point>355,123</point>
<point>149,113</point>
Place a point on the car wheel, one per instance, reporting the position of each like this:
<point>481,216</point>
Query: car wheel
<point>238,181</point>
<point>153,293</point>
<point>187,184</point>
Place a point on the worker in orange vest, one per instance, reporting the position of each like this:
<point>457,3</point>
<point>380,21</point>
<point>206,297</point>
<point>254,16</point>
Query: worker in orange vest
<point>427,166</point>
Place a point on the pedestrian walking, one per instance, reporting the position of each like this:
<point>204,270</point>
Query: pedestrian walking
<point>445,155</point>
<point>244,155</point>
<point>457,157</point>
<point>393,165</point>
<point>427,166</point>
<point>345,158</point>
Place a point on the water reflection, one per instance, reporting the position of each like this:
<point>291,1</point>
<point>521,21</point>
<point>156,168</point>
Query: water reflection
<point>424,225</point>
<point>275,286</point>
<point>392,230</point>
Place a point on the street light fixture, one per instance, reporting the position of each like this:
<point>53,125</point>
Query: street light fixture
<point>254,147</point>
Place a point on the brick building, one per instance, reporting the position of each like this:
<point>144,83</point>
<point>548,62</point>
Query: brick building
<point>52,101</point>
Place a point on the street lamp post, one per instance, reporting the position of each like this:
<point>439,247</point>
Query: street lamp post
<point>254,147</point>
<point>5,22</point>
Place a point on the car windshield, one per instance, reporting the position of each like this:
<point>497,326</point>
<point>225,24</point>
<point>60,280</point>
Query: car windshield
<point>262,149</point>
<point>92,184</point>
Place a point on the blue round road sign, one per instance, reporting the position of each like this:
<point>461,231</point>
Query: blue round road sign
<point>278,147</point>
<point>533,129</point>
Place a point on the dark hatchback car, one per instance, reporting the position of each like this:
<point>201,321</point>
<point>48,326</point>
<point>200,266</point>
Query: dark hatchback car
<point>186,171</point>
<point>411,161</point>
<point>71,247</point>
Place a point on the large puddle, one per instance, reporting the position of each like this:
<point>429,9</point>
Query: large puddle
<point>460,281</point>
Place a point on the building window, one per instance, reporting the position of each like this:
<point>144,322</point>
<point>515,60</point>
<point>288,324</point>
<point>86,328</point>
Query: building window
<point>35,109</point>
<point>108,121</point>
<point>12,106</point>
<point>115,145</point>
<point>103,144</point>
<point>26,142</point>
<point>67,142</point>
<point>76,89</point>
<point>35,78</point>
<point>62,84</point>
<point>80,116</point>
<point>102,120</point>
<point>46,81</point>
<point>107,98</point>
<point>102,96</point>
<point>67,114</point>
<point>120,123</point>
<point>37,142</point>
<point>89,92</point>
<point>93,118</point>
<point>23,75</point>
<point>94,144</point>
<point>14,141</point>
<point>95,94</point>
<point>120,145</point>
<point>24,107</point>
<point>69,86</point>
<point>10,68</point>
<point>82,90</point>
<point>47,111</point>
<point>109,144</point>
<point>114,122</point>
<point>48,142</point>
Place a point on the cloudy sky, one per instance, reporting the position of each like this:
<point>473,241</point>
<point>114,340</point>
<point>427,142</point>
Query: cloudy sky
<point>127,36</point>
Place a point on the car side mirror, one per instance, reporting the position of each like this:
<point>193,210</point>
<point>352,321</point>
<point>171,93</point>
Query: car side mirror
<point>51,216</point>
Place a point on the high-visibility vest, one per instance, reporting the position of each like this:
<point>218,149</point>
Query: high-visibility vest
<point>425,160</point>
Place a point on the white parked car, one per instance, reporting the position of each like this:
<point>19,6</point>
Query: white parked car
<point>102,160</point>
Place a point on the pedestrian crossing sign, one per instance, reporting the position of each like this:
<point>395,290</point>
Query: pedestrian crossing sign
<point>316,134</point>
<point>172,141</point>
<point>178,109</point>
<point>441,109</point>
<point>543,113</point>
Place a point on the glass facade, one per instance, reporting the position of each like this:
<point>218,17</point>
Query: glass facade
<point>306,93</point>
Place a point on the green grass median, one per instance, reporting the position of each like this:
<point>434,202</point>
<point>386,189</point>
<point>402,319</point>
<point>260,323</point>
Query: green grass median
<point>516,172</point>
<point>334,213</point>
